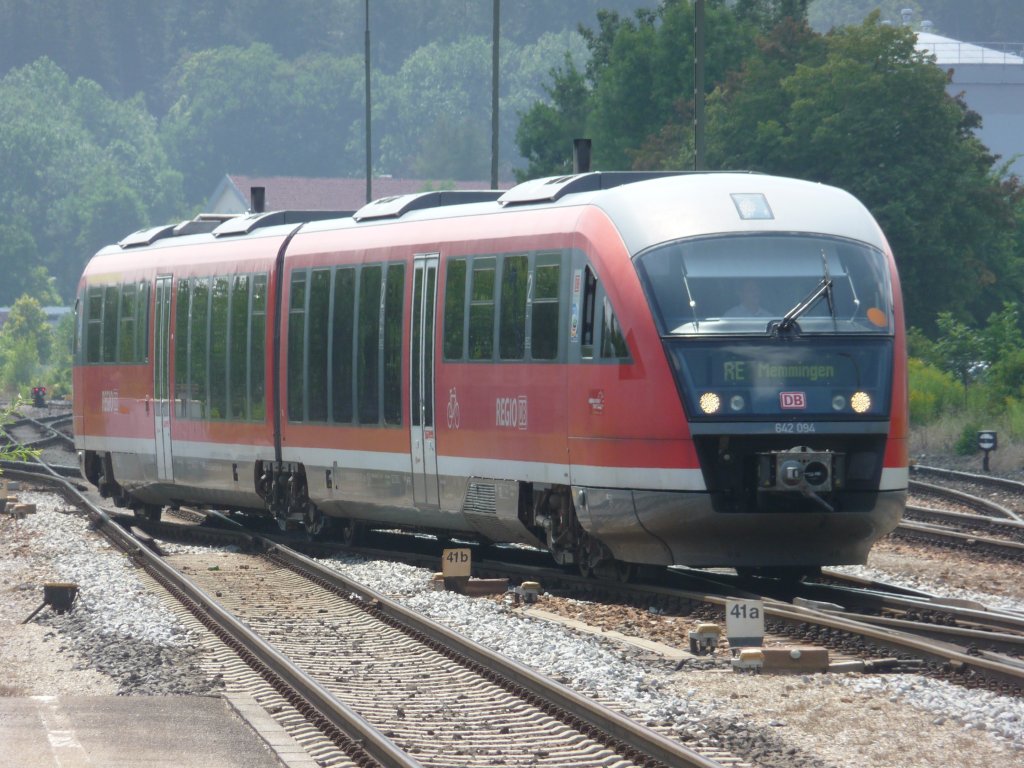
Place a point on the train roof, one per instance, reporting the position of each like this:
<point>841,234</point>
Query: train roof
<point>647,209</point>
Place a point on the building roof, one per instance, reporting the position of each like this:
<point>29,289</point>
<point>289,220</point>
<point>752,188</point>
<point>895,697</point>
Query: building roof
<point>950,51</point>
<point>296,193</point>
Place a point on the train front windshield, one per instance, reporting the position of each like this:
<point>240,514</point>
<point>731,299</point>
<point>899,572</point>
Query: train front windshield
<point>779,327</point>
<point>740,284</point>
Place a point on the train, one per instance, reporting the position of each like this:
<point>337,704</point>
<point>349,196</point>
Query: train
<point>704,369</point>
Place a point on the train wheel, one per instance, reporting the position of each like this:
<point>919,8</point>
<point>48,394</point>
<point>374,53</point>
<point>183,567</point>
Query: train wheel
<point>351,532</point>
<point>624,572</point>
<point>149,512</point>
<point>591,557</point>
<point>313,520</point>
<point>595,560</point>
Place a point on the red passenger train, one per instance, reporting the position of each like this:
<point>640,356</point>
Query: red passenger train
<point>702,369</point>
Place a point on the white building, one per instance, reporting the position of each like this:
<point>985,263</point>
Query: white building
<point>992,82</point>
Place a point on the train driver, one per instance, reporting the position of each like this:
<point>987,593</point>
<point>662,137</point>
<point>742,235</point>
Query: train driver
<point>750,302</point>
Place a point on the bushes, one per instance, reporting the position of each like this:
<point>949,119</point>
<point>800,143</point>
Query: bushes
<point>932,392</point>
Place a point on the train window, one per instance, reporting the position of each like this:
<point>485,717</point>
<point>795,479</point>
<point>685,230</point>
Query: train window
<point>94,325</point>
<point>128,316</point>
<point>544,310</point>
<point>181,347</point>
<point>318,322</point>
<point>368,349</point>
<point>589,302</point>
<point>512,326</point>
<point>343,327</point>
<point>199,335</point>
<point>394,301</point>
<point>600,326</point>
<point>76,344</point>
<point>481,310</point>
<point>455,310</point>
<point>296,347</point>
<point>613,343</point>
<point>142,324</point>
<point>218,398</point>
<point>110,306</point>
<point>740,284</point>
<point>238,346</point>
<point>257,350</point>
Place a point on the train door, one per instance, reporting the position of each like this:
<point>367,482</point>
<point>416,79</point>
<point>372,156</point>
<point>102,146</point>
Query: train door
<point>421,389</point>
<point>162,378</point>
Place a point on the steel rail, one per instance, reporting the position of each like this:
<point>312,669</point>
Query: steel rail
<point>1008,672</point>
<point>940,535</point>
<point>969,500</point>
<point>955,474</point>
<point>593,713</point>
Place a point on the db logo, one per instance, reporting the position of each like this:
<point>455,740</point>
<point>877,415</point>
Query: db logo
<point>791,400</point>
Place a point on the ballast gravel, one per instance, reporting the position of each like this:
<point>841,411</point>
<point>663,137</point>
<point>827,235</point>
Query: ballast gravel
<point>118,627</point>
<point>121,638</point>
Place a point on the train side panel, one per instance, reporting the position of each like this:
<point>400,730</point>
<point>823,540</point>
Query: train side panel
<point>152,441</point>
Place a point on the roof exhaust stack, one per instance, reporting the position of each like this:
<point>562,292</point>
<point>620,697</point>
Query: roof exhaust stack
<point>257,199</point>
<point>581,156</point>
<point>907,14</point>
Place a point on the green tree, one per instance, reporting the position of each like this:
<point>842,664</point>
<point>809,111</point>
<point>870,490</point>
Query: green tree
<point>18,254</point>
<point>872,116</point>
<point>27,322</point>
<point>250,109</point>
<point>546,131</point>
<point>19,366</point>
<point>1002,334</point>
<point>959,348</point>
<point>641,68</point>
<point>638,80</point>
<point>79,170</point>
<point>61,361</point>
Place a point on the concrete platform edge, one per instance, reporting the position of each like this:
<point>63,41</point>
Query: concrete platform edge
<point>273,734</point>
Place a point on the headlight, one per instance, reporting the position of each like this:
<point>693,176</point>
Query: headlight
<point>838,403</point>
<point>860,402</point>
<point>737,403</point>
<point>710,402</point>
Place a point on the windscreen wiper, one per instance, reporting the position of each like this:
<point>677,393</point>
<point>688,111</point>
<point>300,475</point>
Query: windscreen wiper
<point>689,299</point>
<point>823,288</point>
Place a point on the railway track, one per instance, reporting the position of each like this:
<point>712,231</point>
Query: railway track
<point>526,719</point>
<point>984,494</point>
<point>964,644</point>
<point>955,518</point>
<point>903,634</point>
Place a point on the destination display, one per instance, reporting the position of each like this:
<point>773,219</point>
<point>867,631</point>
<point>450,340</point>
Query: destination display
<point>837,377</point>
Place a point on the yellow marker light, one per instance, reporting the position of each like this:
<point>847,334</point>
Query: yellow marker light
<point>860,402</point>
<point>710,402</point>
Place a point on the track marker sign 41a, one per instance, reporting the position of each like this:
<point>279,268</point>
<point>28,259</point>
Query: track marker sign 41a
<point>744,623</point>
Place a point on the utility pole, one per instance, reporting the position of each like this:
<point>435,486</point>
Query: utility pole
<point>369,153</point>
<point>698,85</point>
<point>495,34</point>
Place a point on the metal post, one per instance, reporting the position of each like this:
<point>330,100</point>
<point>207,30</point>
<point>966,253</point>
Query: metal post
<point>495,35</point>
<point>369,153</point>
<point>698,85</point>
